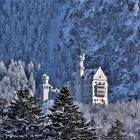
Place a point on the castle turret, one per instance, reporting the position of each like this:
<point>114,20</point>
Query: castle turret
<point>79,75</point>
<point>80,63</point>
<point>46,87</point>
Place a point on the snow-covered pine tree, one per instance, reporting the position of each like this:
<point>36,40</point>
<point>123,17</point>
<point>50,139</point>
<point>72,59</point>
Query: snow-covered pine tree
<point>92,122</point>
<point>66,122</point>
<point>3,103</point>
<point>92,126</point>
<point>25,119</point>
<point>117,131</point>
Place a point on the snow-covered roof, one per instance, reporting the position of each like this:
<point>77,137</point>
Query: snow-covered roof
<point>45,75</point>
<point>99,75</point>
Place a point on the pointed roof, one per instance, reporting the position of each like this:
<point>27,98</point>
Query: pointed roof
<point>45,75</point>
<point>99,75</point>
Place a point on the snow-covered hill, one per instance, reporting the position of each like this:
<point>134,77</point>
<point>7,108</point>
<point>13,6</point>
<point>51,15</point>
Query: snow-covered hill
<point>109,31</point>
<point>47,32</point>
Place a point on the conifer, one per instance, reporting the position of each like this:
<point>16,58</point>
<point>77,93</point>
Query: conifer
<point>117,131</point>
<point>25,119</point>
<point>66,122</point>
<point>3,104</point>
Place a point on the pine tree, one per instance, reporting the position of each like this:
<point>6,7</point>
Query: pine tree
<point>92,122</point>
<point>117,131</point>
<point>66,122</point>
<point>92,126</point>
<point>3,103</point>
<point>25,120</point>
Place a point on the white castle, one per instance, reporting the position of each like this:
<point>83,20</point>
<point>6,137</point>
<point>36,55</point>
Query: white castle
<point>85,86</point>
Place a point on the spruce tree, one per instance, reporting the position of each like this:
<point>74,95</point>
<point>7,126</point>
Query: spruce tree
<point>66,122</point>
<point>92,126</point>
<point>117,131</point>
<point>3,104</point>
<point>25,119</point>
<point>92,123</point>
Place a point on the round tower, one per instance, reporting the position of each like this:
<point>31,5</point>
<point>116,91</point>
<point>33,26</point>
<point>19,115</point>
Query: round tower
<point>46,87</point>
<point>80,62</point>
<point>45,79</point>
<point>79,75</point>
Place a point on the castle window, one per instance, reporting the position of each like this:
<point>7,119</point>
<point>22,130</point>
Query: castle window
<point>45,86</point>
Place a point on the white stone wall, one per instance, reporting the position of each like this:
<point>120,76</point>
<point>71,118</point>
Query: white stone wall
<point>46,87</point>
<point>88,90</point>
<point>100,88</point>
<point>79,76</point>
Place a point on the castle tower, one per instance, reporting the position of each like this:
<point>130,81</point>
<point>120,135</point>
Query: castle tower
<point>79,75</point>
<point>80,62</point>
<point>46,87</point>
<point>100,88</point>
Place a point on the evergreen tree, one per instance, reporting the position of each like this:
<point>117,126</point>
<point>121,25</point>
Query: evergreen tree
<point>25,119</point>
<point>3,103</point>
<point>92,122</point>
<point>117,131</point>
<point>66,122</point>
<point>104,120</point>
<point>92,126</point>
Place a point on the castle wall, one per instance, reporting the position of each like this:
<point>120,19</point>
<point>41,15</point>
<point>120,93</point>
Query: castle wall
<point>100,88</point>
<point>83,87</point>
<point>87,91</point>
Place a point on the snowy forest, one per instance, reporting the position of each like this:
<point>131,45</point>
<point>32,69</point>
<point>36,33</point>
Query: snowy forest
<point>46,34</point>
<point>23,44</point>
<point>24,119</point>
<point>41,36</point>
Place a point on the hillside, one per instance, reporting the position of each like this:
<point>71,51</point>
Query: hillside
<point>109,33</point>
<point>48,33</point>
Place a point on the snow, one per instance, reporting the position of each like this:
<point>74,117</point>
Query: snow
<point>53,38</point>
<point>92,49</point>
<point>82,1</point>
<point>98,25</point>
<point>53,34</point>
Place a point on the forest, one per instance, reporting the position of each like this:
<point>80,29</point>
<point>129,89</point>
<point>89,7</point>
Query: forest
<point>23,118</point>
<point>39,36</point>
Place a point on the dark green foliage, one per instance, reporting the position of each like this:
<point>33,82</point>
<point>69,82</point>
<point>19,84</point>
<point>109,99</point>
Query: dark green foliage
<point>25,120</point>
<point>66,122</point>
<point>117,131</point>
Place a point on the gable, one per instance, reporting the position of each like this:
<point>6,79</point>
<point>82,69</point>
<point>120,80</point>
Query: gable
<point>99,75</point>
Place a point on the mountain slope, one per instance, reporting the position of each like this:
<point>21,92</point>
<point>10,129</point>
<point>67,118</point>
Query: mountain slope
<point>109,32</point>
<point>48,33</point>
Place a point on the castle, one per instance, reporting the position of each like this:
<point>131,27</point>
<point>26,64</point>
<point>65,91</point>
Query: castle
<point>86,86</point>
